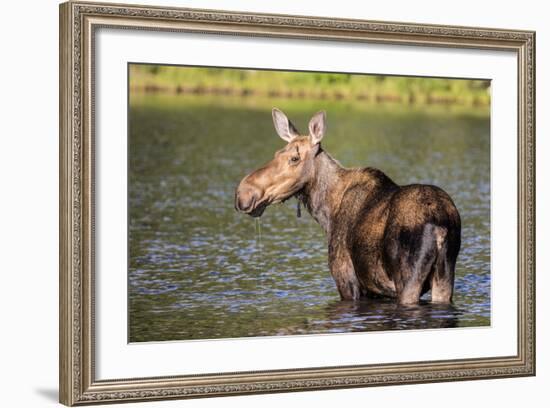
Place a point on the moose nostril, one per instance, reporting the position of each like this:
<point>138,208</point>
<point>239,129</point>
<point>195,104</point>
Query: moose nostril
<point>246,204</point>
<point>245,200</point>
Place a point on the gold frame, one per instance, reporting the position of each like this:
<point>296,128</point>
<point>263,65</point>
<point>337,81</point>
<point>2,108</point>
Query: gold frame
<point>78,22</point>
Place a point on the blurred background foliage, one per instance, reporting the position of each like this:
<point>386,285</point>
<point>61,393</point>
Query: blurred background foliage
<point>310,85</point>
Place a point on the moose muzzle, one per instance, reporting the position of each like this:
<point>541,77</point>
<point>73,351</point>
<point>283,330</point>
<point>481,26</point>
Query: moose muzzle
<point>247,199</point>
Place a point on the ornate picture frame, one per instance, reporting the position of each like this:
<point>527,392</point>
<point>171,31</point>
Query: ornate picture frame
<point>78,24</point>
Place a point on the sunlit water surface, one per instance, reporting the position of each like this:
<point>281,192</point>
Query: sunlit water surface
<point>200,270</point>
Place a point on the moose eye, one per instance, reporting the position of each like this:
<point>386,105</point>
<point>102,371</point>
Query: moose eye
<point>295,159</point>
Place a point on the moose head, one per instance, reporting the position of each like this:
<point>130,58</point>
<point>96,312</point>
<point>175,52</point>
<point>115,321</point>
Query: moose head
<point>288,172</point>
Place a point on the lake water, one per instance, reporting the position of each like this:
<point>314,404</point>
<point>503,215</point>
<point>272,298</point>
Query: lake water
<point>200,270</point>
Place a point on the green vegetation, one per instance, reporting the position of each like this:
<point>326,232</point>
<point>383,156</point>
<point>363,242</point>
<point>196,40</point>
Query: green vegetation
<point>312,85</point>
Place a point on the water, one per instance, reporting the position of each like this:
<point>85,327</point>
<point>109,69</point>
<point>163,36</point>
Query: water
<point>200,270</point>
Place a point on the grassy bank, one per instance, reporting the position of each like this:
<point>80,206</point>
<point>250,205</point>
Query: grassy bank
<point>280,84</point>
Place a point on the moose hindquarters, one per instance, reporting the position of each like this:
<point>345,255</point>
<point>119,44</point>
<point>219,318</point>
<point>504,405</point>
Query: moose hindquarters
<point>419,260</point>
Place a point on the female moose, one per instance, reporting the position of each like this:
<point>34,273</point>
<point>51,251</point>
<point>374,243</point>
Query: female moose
<point>384,239</point>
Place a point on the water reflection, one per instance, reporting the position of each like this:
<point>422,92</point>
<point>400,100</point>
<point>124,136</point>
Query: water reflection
<point>198,269</point>
<point>387,315</point>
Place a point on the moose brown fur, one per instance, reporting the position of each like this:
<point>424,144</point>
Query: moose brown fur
<point>383,239</point>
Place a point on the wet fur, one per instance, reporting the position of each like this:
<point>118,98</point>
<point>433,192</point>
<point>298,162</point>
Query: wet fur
<point>384,239</point>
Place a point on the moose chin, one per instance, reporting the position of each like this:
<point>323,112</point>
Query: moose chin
<point>383,239</point>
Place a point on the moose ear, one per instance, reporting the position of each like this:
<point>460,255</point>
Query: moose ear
<point>317,127</point>
<point>284,127</point>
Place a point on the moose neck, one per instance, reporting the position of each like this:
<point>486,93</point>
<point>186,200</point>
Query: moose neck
<point>318,196</point>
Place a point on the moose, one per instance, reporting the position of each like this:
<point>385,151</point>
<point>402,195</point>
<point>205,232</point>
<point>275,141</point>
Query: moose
<point>384,240</point>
